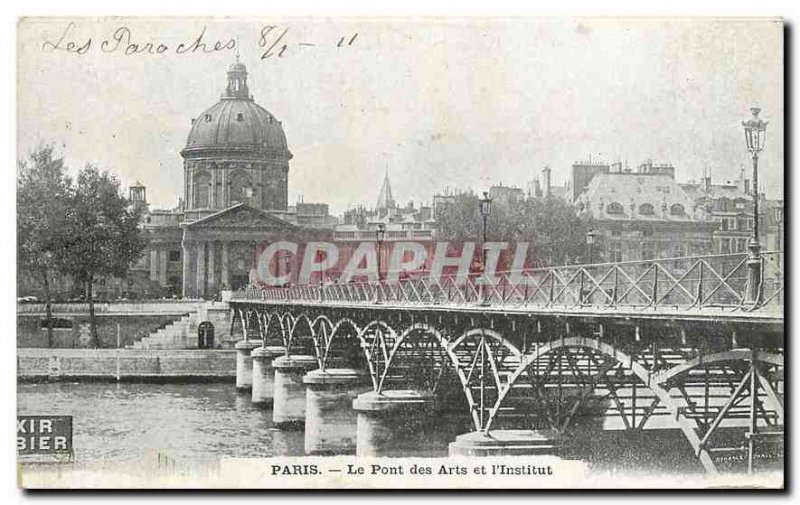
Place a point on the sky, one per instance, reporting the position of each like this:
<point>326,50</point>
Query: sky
<point>441,102</point>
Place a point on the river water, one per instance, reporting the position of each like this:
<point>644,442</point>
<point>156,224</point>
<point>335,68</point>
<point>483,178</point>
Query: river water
<point>203,422</point>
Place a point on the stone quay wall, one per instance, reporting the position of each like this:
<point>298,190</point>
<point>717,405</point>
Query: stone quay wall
<point>41,365</point>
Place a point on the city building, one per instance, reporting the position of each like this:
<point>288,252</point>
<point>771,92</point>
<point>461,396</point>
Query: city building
<point>235,200</point>
<point>640,215</point>
<point>544,188</point>
<point>506,194</point>
<point>729,205</point>
<point>411,222</point>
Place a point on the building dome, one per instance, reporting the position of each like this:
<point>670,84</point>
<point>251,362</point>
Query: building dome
<point>239,124</point>
<point>236,123</point>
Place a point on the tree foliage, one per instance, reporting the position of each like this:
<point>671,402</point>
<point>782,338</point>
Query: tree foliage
<point>550,224</point>
<point>103,232</point>
<point>83,228</point>
<point>43,195</point>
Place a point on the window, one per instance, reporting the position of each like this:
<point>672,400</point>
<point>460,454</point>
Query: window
<point>676,210</point>
<point>175,255</point>
<point>239,116</point>
<point>741,224</point>
<point>615,208</point>
<point>646,209</point>
<point>648,250</point>
<point>723,224</point>
<point>615,251</point>
<point>208,118</point>
<point>202,190</point>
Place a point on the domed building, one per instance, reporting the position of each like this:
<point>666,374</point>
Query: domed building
<point>235,200</point>
<point>236,152</point>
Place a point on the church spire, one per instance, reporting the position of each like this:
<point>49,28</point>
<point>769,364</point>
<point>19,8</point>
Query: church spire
<point>385,198</point>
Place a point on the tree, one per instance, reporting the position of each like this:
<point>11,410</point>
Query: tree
<point>43,195</point>
<point>557,233</point>
<point>104,234</point>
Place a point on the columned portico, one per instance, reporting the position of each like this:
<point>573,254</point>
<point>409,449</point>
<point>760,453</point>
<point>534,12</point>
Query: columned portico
<point>226,282</point>
<point>212,281</point>
<point>231,238</point>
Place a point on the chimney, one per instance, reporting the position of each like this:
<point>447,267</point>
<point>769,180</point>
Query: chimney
<point>747,186</point>
<point>705,182</point>
<point>742,181</point>
<point>537,188</point>
<point>546,182</point>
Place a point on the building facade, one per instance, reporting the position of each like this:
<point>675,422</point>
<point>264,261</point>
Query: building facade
<point>640,215</point>
<point>235,200</point>
<point>729,204</point>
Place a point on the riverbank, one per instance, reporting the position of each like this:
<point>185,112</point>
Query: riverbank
<point>125,365</point>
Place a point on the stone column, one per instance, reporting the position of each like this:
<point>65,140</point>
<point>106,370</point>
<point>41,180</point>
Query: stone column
<point>187,269</point>
<point>201,268</point>
<point>226,283</point>
<point>224,202</point>
<point>264,374</point>
<point>331,422</point>
<point>289,405</point>
<point>386,421</point>
<point>244,364</point>
<point>190,196</point>
<point>162,267</point>
<point>212,283</point>
<point>212,195</point>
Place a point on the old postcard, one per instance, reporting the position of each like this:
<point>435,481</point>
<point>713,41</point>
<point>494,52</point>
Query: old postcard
<point>400,253</point>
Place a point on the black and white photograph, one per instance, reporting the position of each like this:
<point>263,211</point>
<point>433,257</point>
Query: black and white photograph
<point>400,252</point>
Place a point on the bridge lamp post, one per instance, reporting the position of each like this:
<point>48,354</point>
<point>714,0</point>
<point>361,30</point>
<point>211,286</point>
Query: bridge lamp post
<point>590,237</point>
<point>380,236</point>
<point>755,133</point>
<point>485,208</point>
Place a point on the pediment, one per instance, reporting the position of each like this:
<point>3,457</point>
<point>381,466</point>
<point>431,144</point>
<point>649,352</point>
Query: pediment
<point>242,216</point>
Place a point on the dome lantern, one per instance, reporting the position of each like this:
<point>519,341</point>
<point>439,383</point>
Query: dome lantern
<point>237,81</point>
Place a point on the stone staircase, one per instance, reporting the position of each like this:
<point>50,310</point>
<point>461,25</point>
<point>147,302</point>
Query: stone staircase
<point>175,335</point>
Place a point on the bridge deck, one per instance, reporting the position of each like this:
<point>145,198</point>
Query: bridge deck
<point>772,316</point>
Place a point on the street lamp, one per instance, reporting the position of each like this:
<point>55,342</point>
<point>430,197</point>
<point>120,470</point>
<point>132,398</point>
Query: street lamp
<point>590,236</point>
<point>380,235</point>
<point>485,208</point>
<point>755,133</point>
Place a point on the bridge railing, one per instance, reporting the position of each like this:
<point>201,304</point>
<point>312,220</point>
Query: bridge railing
<point>688,282</point>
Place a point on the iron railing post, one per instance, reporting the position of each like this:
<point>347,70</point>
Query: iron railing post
<point>655,285</point>
<point>699,301</point>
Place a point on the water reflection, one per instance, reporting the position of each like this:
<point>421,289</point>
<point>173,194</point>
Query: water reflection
<point>203,422</point>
